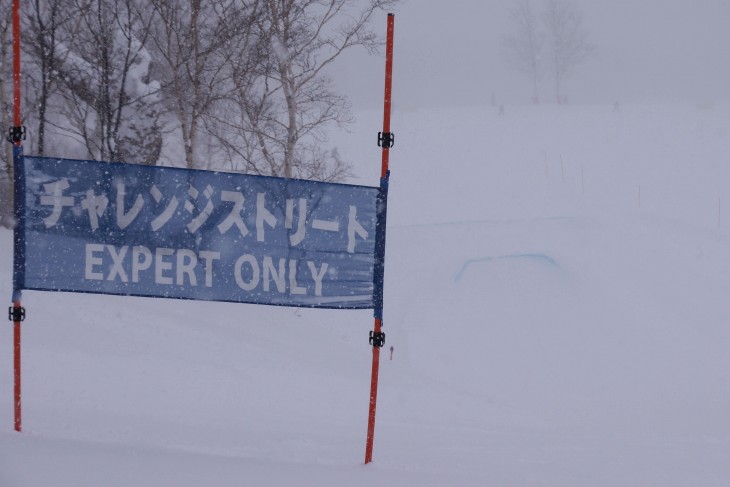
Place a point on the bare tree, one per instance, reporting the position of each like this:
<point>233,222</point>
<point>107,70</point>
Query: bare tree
<point>110,102</point>
<point>196,43</point>
<point>522,48</point>
<point>567,41</point>
<point>246,77</point>
<point>43,21</point>
<point>276,120</point>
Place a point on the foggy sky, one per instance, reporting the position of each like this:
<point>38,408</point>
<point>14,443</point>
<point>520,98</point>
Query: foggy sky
<point>448,53</point>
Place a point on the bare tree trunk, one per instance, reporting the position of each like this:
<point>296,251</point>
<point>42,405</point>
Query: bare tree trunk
<point>5,107</point>
<point>294,97</point>
<point>523,47</point>
<point>48,24</point>
<point>289,89</point>
<point>6,179</point>
<point>44,26</point>
<point>567,40</point>
<point>291,132</point>
<point>194,113</point>
<point>109,100</point>
<point>194,42</point>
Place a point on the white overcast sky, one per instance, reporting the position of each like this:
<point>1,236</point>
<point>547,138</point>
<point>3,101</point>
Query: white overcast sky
<point>448,53</point>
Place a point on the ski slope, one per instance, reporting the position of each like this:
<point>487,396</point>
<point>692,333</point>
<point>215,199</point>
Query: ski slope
<point>556,295</point>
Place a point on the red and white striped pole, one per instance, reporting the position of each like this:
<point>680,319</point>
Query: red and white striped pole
<point>377,336</point>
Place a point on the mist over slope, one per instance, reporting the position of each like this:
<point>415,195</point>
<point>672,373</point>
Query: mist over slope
<point>556,296</point>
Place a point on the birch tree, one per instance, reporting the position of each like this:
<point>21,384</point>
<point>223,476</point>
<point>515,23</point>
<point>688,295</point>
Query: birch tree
<point>110,100</point>
<point>196,44</point>
<point>276,121</point>
<point>43,22</point>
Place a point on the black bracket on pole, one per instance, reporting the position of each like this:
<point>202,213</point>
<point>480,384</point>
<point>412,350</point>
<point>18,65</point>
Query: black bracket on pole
<point>16,313</point>
<point>377,339</point>
<point>386,140</point>
<point>16,134</point>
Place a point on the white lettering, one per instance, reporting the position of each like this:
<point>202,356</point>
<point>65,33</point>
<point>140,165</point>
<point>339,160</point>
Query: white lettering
<point>95,206</point>
<point>56,200</point>
<point>263,216</point>
<point>141,260</point>
<point>317,276</point>
<point>198,221</point>
<point>117,261</point>
<point>208,258</point>
<point>125,218</point>
<point>92,260</point>
<point>354,228</point>
<point>183,267</point>
<point>279,275</point>
<point>297,237</point>
<point>234,217</point>
<point>326,225</point>
<point>186,262</point>
<point>294,287</point>
<point>168,212</point>
<point>255,272</point>
<point>161,265</point>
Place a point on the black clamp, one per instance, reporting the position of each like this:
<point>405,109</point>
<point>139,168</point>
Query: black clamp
<point>16,313</point>
<point>386,140</point>
<point>16,134</point>
<point>377,338</point>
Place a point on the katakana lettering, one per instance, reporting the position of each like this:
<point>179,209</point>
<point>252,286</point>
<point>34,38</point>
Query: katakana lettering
<point>95,206</point>
<point>56,199</point>
<point>263,216</point>
<point>354,228</point>
<point>203,216</point>
<point>326,225</point>
<point>234,217</point>
<point>297,237</point>
<point>124,219</point>
<point>166,215</point>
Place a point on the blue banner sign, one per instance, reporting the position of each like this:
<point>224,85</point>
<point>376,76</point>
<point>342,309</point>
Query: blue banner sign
<point>125,229</point>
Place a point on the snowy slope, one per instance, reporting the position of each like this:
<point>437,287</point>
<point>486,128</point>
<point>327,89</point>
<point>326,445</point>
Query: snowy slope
<point>556,293</point>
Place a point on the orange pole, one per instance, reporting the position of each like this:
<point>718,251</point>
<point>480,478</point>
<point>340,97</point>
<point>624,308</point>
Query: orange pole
<point>373,397</point>
<point>16,150</point>
<point>16,364</point>
<point>378,326</point>
<point>388,92</point>
<point>16,65</point>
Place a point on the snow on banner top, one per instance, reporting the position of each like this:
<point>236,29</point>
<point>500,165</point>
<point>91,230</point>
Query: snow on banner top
<point>128,229</point>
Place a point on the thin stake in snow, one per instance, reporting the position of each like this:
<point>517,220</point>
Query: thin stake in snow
<point>639,196</point>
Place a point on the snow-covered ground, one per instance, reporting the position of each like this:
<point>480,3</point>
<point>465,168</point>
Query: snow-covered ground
<point>557,283</point>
